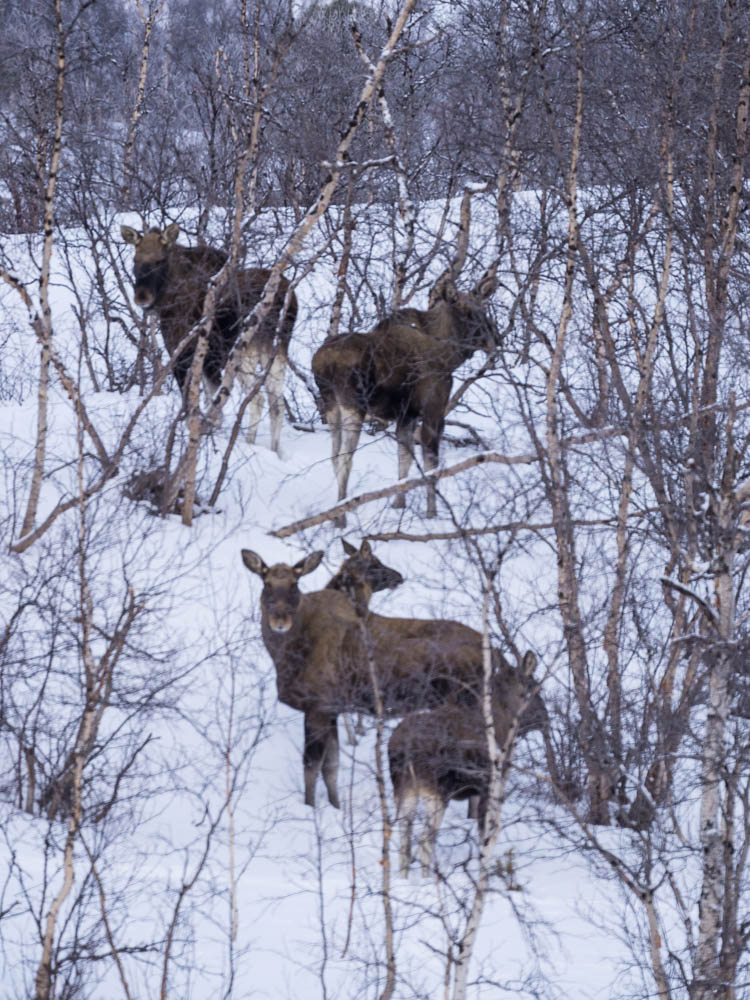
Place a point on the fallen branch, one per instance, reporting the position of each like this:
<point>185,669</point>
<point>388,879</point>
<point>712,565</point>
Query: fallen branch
<point>402,487</point>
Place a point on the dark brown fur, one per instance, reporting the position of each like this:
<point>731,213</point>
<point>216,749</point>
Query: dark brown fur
<point>361,575</point>
<point>322,647</point>
<point>442,754</point>
<point>172,280</point>
<point>401,372</point>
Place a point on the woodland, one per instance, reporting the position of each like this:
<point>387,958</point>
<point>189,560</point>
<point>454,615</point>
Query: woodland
<point>574,169</point>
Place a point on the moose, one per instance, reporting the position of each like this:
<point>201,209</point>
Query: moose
<point>442,754</point>
<point>172,280</point>
<point>325,664</point>
<point>361,575</point>
<point>402,371</point>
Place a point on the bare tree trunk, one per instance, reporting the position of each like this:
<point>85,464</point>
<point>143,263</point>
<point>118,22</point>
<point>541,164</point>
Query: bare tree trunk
<point>148,25</point>
<point>294,245</point>
<point>406,210</point>
<point>499,758</point>
<point>43,323</point>
<point>707,983</point>
<point>593,744</point>
<point>387,826</point>
<point>346,255</point>
<point>718,248</point>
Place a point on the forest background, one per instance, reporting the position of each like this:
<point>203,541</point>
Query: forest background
<point>593,498</point>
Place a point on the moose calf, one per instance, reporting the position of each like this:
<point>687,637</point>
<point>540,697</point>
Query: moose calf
<point>442,755</point>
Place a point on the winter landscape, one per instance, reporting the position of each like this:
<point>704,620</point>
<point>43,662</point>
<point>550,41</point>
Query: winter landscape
<point>566,183</point>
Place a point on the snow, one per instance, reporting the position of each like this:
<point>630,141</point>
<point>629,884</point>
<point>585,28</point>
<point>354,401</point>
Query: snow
<point>308,882</point>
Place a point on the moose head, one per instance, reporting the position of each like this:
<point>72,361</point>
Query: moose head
<point>151,263</point>
<point>281,595</point>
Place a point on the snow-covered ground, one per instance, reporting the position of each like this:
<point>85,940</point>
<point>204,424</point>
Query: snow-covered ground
<point>307,883</point>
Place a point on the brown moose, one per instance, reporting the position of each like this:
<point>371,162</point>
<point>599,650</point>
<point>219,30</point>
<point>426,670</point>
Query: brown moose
<point>362,574</point>
<point>323,660</point>
<point>173,280</point>
<point>442,754</point>
<point>402,371</point>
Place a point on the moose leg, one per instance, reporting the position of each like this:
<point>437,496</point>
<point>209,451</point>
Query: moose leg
<point>331,764</point>
<point>211,388</point>
<point>432,429</point>
<point>248,373</point>
<point>182,368</point>
<point>345,428</point>
<point>405,439</point>
<point>482,804</point>
<point>407,802</point>
<point>351,425</point>
<point>212,373</point>
<point>275,392</point>
<point>317,736</point>
<point>333,419</point>
<point>434,812</point>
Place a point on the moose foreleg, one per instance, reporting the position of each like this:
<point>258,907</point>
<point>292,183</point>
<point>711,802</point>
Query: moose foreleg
<point>434,812</point>
<point>275,391</point>
<point>331,764</point>
<point>405,440</point>
<point>318,728</point>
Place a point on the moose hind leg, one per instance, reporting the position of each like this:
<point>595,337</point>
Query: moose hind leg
<point>346,426</point>
<point>275,392</point>
<point>351,425</point>
<point>407,802</point>
<point>432,430</point>
<point>248,376</point>
<point>405,440</point>
<point>252,358</point>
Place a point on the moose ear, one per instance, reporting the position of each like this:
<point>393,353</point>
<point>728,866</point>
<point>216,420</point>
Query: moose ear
<point>170,234</point>
<point>308,564</point>
<point>444,289</point>
<point>529,663</point>
<point>487,286</point>
<point>131,235</point>
<point>364,549</point>
<point>349,549</point>
<point>254,563</point>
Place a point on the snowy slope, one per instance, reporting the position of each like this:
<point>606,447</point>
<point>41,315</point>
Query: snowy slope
<point>307,883</point>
